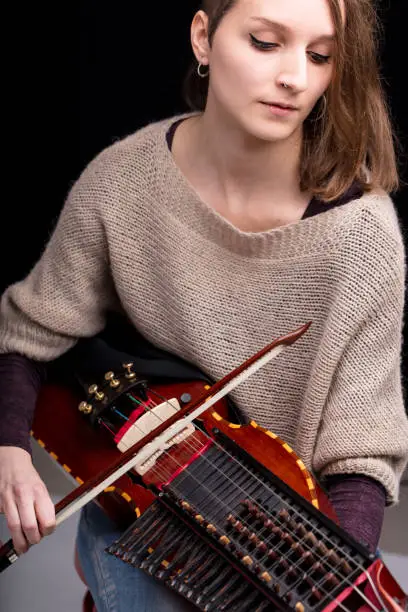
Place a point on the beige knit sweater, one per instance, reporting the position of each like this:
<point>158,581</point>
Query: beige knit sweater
<point>133,236</point>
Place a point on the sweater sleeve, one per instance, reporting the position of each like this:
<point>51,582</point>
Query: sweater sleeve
<point>69,290</point>
<point>364,429</point>
<point>359,503</point>
<point>20,382</point>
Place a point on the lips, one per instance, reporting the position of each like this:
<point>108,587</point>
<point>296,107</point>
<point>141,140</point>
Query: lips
<point>282,105</point>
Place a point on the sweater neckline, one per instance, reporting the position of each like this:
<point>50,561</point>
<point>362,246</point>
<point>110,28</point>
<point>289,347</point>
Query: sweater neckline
<point>184,201</point>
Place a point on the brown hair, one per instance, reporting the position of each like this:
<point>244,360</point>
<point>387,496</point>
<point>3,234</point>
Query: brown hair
<point>354,133</point>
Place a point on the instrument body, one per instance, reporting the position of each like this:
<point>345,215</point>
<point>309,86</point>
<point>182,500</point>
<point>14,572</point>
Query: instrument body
<point>225,514</point>
<point>126,499</point>
<point>84,451</point>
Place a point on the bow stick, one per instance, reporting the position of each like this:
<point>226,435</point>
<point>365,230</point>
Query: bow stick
<point>86,492</point>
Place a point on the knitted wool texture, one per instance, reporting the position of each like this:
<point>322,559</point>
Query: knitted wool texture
<point>134,237</point>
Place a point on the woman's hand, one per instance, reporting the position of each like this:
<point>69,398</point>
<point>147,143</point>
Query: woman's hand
<point>24,499</point>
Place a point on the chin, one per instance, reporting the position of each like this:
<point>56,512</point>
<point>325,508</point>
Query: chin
<point>270,132</point>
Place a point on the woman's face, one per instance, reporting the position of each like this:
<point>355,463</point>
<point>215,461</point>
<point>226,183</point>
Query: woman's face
<point>252,55</point>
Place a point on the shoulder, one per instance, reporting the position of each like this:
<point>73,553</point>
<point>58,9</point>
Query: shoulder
<point>370,247</point>
<point>371,223</point>
<point>368,225</point>
<point>138,148</point>
<point>377,209</point>
<point>142,141</point>
<point>129,164</point>
<point>363,228</point>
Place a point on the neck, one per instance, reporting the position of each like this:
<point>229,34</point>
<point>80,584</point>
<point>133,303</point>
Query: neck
<point>242,166</point>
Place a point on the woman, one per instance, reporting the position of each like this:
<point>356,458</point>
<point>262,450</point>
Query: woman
<point>216,231</point>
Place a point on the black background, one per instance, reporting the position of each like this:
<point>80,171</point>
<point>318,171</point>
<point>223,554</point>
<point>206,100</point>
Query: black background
<point>83,74</point>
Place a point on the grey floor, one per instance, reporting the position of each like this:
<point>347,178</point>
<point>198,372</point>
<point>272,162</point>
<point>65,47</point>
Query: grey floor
<point>44,579</point>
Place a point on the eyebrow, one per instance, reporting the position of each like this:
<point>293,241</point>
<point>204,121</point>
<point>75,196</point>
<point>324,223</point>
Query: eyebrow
<point>285,29</point>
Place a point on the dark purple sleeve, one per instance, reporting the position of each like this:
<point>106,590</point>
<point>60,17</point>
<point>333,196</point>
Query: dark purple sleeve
<point>20,382</point>
<point>359,502</point>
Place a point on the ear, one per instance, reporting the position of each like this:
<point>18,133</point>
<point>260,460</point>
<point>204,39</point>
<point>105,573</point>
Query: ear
<point>199,38</point>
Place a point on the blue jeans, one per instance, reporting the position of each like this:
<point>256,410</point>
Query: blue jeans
<point>114,585</point>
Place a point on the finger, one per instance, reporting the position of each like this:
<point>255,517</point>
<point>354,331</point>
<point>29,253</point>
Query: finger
<point>25,505</point>
<point>45,511</point>
<point>14,524</point>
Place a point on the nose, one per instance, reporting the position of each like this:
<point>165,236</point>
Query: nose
<point>293,70</point>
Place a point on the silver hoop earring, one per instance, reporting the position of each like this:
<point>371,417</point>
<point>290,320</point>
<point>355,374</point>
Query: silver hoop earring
<point>203,75</point>
<point>285,85</point>
<point>323,109</point>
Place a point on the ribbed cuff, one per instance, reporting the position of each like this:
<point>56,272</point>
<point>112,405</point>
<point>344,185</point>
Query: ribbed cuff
<point>359,502</point>
<point>20,382</point>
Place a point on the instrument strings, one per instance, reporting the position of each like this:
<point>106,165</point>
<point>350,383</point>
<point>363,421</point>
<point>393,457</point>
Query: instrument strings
<point>196,446</point>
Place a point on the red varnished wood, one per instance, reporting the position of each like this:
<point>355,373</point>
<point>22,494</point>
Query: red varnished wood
<point>64,432</point>
<point>91,456</point>
<point>196,402</point>
<point>85,451</point>
<point>67,435</point>
<point>276,456</point>
<point>388,587</point>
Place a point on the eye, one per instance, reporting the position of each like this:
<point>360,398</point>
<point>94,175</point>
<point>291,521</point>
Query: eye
<point>317,58</point>
<point>260,44</point>
<point>320,59</point>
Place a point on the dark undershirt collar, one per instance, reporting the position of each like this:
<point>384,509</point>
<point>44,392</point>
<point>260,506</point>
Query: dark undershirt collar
<point>315,205</point>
